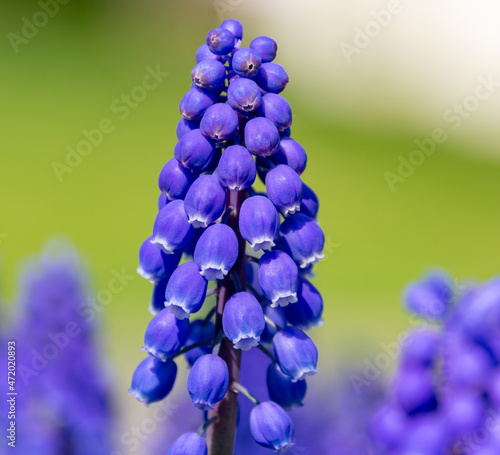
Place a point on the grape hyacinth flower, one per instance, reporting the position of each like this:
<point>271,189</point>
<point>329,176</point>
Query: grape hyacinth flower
<point>442,398</point>
<point>233,120</point>
<point>64,402</point>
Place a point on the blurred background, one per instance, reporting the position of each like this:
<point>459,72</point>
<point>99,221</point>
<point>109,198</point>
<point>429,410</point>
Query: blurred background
<point>369,81</point>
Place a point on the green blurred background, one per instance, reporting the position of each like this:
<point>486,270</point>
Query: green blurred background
<point>354,118</point>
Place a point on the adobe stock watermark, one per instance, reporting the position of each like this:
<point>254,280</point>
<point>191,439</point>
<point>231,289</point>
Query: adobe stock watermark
<point>364,36</point>
<point>453,117</point>
<point>132,439</point>
<point>473,442</point>
<point>59,341</point>
<point>224,7</point>
<point>121,107</point>
<point>31,26</point>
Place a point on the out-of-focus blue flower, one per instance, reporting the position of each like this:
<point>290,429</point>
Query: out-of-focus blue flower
<point>283,390</point>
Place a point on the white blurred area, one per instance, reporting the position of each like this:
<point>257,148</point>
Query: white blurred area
<point>428,58</point>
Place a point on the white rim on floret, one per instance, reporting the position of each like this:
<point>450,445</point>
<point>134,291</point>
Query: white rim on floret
<point>146,275</point>
<point>303,373</point>
<point>262,243</point>
<point>284,447</point>
<point>312,259</point>
<point>291,210</point>
<point>138,396</point>
<point>163,245</point>
<point>283,299</point>
<point>155,353</point>
<point>203,405</point>
<point>246,342</point>
<point>213,272</point>
<point>198,222</point>
<point>178,309</point>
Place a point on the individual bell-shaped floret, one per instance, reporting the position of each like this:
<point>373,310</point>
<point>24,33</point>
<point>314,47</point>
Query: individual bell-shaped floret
<point>153,380</point>
<point>272,77</point>
<point>175,179</point>
<point>204,53</point>
<point>243,320</point>
<point>261,137</point>
<point>266,47</point>
<point>194,151</point>
<point>209,75</point>
<point>220,41</point>
<point>283,390</point>
<point>236,170</point>
<point>296,354</point>
<point>307,311</point>
<point>310,203</point>
<point>186,290</point>
<point>216,251</point>
<point>278,277</point>
<point>421,348</point>
<point>154,264</point>
<point>291,153</point>
<point>414,390</point>
<point>430,297</point>
<point>235,27</point>
<point>172,230</point>
<point>188,444</point>
<point>165,335</point>
<point>464,412</point>
<point>246,62</point>
<point>243,94</point>
<point>205,201</point>
<point>259,222</point>
<point>200,330</point>
<point>184,126</point>
<point>195,102</point>
<point>276,108</point>
<point>271,427</point>
<point>208,381</point>
<point>219,122</point>
<point>284,189</point>
<point>303,239</point>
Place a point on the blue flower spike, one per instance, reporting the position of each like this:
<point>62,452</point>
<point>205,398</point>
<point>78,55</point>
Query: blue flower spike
<point>243,321</point>
<point>208,381</point>
<point>235,125</point>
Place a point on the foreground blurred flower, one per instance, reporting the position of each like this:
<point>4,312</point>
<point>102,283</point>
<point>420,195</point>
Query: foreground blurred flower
<point>443,399</point>
<point>64,393</point>
<point>233,117</point>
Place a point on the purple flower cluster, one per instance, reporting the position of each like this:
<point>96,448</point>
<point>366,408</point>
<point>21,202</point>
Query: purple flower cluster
<point>235,125</point>
<point>63,392</point>
<point>445,395</point>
